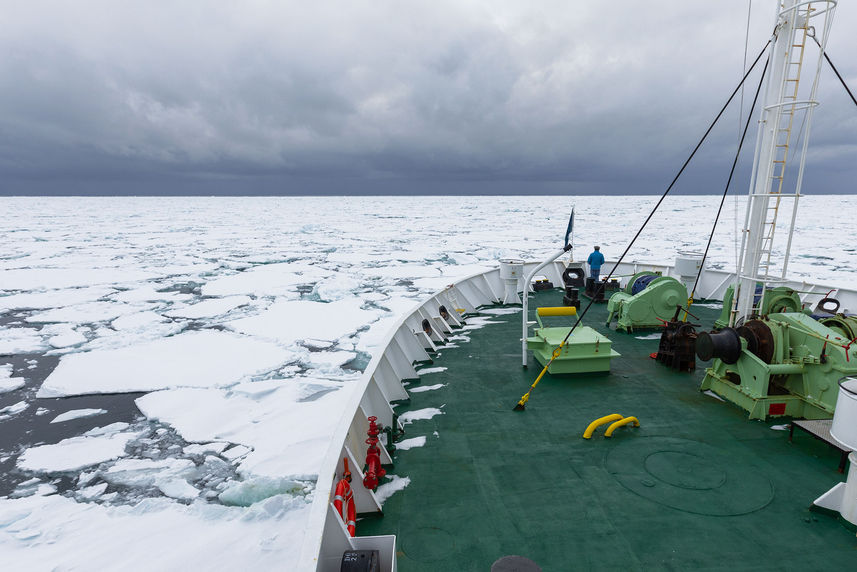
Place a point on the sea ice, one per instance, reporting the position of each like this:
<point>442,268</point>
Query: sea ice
<point>86,313</point>
<point>178,489</point>
<point>13,409</point>
<point>20,341</point>
<point>78,414</point>
<point>195,359</point>
<point>148,472</point>
<point>53,298</point>
<point>210,308</point>
<point>258,423</point>
<point>250,491</point>
<point>75,453</point>
<point>7,382</point>
<point>266,280</point>
<point>290,321</point>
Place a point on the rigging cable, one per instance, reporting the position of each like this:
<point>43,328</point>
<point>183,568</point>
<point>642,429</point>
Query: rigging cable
<point>740,122</point>
<point>521,405</point>
<point>836,71</point>
<point>726,190</point>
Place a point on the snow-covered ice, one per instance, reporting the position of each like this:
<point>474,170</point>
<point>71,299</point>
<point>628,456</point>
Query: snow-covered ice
<point>74,454</point>
<point>194,359</point>
<point>77,414</point>
<point>7,382</point>
<point>411,443</point>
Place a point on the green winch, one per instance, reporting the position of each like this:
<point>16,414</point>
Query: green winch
<point>585,350</point>
<point>647,301</point>
<point>777,299</point>
<point>780,364</point>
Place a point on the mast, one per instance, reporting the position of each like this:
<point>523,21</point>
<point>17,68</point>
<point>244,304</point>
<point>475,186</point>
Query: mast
<point>786,109</point>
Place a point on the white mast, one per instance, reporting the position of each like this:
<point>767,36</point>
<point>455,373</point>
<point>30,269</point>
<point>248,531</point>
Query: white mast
<point>797,22</point>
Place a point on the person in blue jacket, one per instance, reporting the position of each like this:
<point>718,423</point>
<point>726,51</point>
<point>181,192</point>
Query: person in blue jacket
<point>595,260</point>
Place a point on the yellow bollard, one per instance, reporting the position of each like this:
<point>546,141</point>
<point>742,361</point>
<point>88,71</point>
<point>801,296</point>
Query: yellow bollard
<point>600,421</point>
<point>620,423</point>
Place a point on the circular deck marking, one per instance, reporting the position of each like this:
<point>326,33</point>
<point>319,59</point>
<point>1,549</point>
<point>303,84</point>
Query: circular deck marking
<point>688,475</point>
<point>429,543</point>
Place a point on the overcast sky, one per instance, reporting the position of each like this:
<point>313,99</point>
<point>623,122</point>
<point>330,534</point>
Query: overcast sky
<point>390,96</point>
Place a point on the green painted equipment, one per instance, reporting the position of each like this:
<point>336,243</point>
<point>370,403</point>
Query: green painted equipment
<point>778,299</point>
<point>646,302</point>
<point>781,364</point>
<point>585,351</point>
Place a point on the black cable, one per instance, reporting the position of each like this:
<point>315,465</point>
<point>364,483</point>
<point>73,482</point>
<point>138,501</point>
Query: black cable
<point>728,182</point>
<point>669,188</point>
<point>836,71</point>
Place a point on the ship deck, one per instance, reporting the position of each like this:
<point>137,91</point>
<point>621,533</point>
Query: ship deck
<point>696,486</point>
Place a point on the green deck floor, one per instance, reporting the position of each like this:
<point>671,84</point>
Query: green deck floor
<point>697,486</point>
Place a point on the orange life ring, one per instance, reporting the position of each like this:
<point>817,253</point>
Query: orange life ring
<point>344,498</point>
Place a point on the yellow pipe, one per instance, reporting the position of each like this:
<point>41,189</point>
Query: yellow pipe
<point>620,423</point>
<point>557,311</point>
<point>601,421</point>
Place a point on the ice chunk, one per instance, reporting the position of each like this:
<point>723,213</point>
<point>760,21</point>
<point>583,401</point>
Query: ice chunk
<point>92,492</point>
<point>7,382</point>
<point>148,293</point>
<point>20,341</point>
<point>30,488</point>
<point>137,320</point>
<point>53,298</point>
<point>386,490</point>
<point>294,320</point>
<point>149,472</point>
<point>108,429</point>
<point>55,278</point>
<point>236,452</point>
<point>202,449</point>
<point>83,313</point>
<point>406,444</point>
<point>422,388</point>
<point>245,493</point>
<point>78,414</point>
<point>63,335</point>
<point>75,453</point>
<point>409,417</point>
<point>259,422</point>
<point>210,308</point>
<point>337,287</point>
<point>266,280</point>
<point>178,489</point>
<point>427,370</point>
<point>14,409</point>
<point>195,359</point>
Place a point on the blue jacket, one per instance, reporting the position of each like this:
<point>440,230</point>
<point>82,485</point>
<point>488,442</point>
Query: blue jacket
<point>595,260</point>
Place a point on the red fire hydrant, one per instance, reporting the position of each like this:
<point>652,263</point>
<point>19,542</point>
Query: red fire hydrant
<point>374,471</point>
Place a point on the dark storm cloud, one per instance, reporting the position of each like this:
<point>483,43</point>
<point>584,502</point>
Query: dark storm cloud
<point>289,97</point>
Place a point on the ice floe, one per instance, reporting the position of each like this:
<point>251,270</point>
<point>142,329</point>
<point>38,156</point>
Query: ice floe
<point>210,308</point>
<point>77,414</point>
<point>7,382</point>
<point>193,359</point>
<point>75,453</point>
<point>289,321</point>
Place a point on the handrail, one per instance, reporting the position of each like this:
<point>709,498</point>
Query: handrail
<point>525,297</point>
